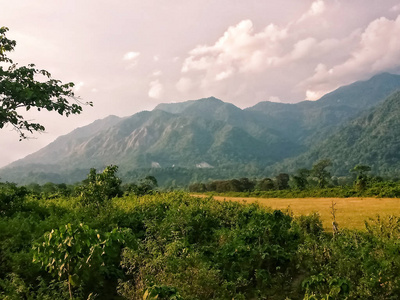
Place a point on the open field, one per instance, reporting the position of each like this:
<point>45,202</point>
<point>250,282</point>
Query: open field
<point>350,212</point>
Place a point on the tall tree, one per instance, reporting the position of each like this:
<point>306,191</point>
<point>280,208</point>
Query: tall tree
<point>319,171</point>
<point>282,181</point>
<point>362,177</point>
<point>300,179</point>
<point>27,87</point>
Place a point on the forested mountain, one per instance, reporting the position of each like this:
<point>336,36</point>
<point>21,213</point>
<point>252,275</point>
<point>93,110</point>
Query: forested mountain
<point>372,139</point>
<point>220,140</point>
<point>308,122</point>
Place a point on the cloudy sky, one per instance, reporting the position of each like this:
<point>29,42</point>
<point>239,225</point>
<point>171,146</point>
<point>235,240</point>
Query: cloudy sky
<point>128,56</point>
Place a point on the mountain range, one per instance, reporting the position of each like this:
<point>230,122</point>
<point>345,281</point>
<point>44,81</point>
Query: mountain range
<point>209,139</point>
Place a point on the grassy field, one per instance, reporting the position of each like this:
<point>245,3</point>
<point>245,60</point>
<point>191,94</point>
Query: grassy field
<point>350,212</point>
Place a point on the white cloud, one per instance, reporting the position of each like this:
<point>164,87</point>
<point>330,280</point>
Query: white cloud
<point>303,48</point>
<point>79,86</point>
<point>395,8</point>
<point>317,8</point>
<point>131,55</point>
<point>184,85</point>
<point>246,59</point>
<point>306,58</point>
<point>156,90</point>
<point>274,99</point>
<point>238,50</point>
<point>224,74</point>
<point>313,95</point>
<point>157,73</point>
<point>378,50</point>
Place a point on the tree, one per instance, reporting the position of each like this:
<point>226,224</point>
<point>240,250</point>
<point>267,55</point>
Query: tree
<point>73,251</point>
<point>146,186</point>
<point>27,87</point>
<point>100,187</point>
<point>362,177</point>
<point>300,179</point>
<point>282,181</point>
<point>265,184</point>
<point>322,175</point>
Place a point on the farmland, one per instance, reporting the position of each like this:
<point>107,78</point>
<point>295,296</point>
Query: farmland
<point>351,213</point>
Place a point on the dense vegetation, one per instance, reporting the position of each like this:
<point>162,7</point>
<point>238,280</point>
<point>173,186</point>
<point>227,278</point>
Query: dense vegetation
<point>314,182</point>
<point>99,241</point>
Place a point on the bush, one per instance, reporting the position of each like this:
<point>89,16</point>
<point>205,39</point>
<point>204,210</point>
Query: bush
<point>100,187</point>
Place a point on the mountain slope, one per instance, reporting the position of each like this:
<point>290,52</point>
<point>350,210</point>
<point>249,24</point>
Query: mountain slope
<point>372,139</point>
<point>309,122</point>
<point>161,139</point>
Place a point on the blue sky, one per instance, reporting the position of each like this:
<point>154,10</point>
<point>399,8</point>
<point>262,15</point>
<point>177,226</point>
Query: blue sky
<point>128,56</point>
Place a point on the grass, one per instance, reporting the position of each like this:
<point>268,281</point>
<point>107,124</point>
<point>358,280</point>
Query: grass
<point>351,213</point>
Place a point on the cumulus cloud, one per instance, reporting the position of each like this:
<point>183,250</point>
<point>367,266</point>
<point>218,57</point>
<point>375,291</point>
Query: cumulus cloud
<point>395,8</point>
<point>317,8</point>
<point>378,50</point>
<point>78,86</point>
<point>274,99</point>
<point>246,59</point>
<point>156,90</point>
<point>157,73</point>
<point>184,85</point>
<point>238,50</point>
<point>303,59</point>
<point>131,55</point>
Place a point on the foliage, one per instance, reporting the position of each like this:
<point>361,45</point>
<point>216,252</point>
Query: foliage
<point>208,249</point>
<point>353,265</point>
<point>100,187</point>
<point>20,87</point>
<point>11,198</point>
<point>161,292</point>
<point>145,186</point>
<point>319,171</point>
<point>362,178</point>
<point>75,252</point>
<point>183,247</point>
<point>282,181</point>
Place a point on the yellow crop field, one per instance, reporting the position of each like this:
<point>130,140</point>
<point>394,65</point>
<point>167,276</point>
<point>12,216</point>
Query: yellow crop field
<point>350,212</point>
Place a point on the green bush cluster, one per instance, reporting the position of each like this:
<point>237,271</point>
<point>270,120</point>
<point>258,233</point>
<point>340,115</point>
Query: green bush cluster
<point>175,246</point>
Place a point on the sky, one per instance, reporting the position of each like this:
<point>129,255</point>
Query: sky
<point>128,56</point>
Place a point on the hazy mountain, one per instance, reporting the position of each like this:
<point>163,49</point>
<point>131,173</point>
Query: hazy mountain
<point>213,135</point>
<point>309,122</point>
<point>207,134</point>
<point>372,139</point>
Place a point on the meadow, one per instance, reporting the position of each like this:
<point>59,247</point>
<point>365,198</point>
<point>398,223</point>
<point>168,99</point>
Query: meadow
<point>350,213</point>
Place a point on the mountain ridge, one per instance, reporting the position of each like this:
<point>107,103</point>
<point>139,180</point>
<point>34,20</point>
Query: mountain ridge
<point>207,131</point>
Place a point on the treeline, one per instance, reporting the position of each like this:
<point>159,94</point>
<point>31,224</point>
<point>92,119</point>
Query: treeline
<point>106,244</point>
<point>314,182</point>
<point>142,186</point>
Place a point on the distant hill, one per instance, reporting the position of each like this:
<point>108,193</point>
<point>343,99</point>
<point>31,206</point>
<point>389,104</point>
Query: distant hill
<point>214,138</point>
<point>372,139</point>
<point>308,122</point>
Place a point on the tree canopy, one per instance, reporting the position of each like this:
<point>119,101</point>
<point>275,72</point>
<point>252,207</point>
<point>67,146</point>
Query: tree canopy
<point>26,87</point>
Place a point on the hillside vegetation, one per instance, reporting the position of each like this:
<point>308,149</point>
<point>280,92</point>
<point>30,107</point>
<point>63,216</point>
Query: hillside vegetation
<point>371,139</point>
<point>96,242</point>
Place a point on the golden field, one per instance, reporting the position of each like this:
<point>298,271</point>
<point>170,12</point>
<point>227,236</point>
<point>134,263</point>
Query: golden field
<point>350,212</point>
